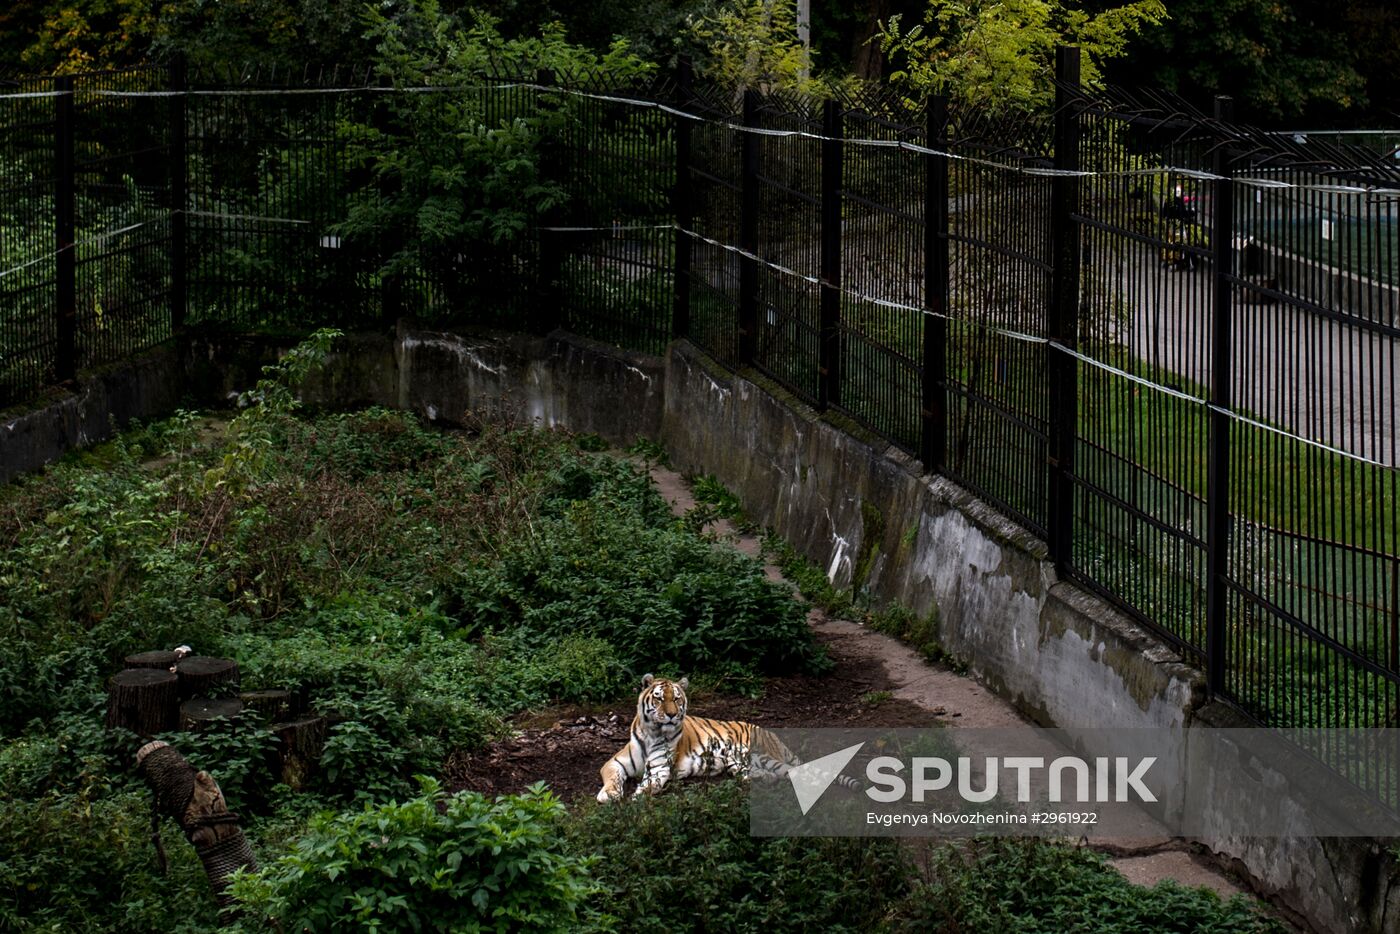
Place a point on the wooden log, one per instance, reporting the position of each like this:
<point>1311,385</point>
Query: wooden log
<point>143,700</point>
<point>207,676</point>
<point>197,713</point>
<point>272,705</point>
<point>156,659</point>
<point>299,748</point>
<point>197,804</point>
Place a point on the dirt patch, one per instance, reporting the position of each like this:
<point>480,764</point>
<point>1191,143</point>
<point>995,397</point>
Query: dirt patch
<point>878,682</point>
<point>565,747</point>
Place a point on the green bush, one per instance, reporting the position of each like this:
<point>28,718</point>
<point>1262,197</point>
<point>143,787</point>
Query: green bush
<point>434,862</point>
<point>1035,887</point>
<point>662,597</point>
<point>685,861</point>
<point>80,865</point>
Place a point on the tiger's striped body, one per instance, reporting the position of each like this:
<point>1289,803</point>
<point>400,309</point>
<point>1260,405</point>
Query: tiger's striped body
<point>667,744</point>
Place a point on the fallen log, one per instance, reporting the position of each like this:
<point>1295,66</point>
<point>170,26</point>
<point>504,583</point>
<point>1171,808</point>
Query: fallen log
<point>194,801</point>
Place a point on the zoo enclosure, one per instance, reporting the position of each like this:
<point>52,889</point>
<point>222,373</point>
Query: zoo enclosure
<point>1194,412</point>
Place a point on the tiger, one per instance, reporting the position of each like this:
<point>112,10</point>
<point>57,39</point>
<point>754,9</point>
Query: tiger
<point>666,744</point>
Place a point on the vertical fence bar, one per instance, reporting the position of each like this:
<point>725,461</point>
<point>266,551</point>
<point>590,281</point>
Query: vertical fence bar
<point>1063,319</point>
<point>682,204</point>
<point>829,368</point>
<point>549,304</point>
<point>66,262</point>
<point>179,268</point>
<point>933,446</point>
<point>748,236</point>
<point>1218,478</point>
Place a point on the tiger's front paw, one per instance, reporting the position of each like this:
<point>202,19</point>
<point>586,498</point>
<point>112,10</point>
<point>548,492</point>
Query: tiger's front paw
<point>604,797</point>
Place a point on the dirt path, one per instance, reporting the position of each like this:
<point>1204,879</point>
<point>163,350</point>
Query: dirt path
<point>878,682</point>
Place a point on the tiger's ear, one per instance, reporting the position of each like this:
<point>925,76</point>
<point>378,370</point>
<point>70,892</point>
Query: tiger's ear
<point>684,683</point>
<point>647,680</point>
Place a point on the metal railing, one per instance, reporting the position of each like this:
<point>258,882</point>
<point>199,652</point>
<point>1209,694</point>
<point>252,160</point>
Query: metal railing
<point>1112,321</point>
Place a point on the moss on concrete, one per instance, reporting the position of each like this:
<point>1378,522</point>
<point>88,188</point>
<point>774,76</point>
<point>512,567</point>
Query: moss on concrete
<point>872,529</point>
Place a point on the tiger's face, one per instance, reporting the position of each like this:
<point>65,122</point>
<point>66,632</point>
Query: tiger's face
<point>662,703</point>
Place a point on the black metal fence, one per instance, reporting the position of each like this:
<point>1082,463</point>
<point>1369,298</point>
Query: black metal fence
<point>1163,342</point>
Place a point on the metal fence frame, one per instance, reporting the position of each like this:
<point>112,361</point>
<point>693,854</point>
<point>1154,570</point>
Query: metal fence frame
<point>951,279</point>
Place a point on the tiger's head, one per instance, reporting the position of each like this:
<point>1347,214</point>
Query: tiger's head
<point>662,703</point>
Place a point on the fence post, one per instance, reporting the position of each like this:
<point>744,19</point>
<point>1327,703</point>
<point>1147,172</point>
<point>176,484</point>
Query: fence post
<point>933,447</point>
<point>681,203</point>
<point>1063,325</point>
<point>1221,340</point>
<point>179,268</point>
<point>829,366</point>
<point>549,307</point>
<point>66,260</point>
<point>748,235</point>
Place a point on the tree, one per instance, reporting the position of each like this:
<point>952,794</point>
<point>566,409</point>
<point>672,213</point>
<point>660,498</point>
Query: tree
<point>1000,53</point>
<point>1281,59</point>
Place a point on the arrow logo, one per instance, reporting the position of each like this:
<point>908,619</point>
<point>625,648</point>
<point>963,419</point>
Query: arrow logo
<point>810,780</point>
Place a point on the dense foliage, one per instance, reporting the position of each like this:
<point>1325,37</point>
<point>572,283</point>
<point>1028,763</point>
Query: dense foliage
<point>998,54</point>
<point>433,862</point>
<point>1290,61</point>
<point>416,586</point>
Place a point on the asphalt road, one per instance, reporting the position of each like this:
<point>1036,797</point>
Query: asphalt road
<point>1329,381</point>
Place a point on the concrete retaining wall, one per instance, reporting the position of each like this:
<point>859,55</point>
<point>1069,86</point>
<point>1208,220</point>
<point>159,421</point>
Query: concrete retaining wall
<point>148,386</point>
<point>861,509</point>
<point>843,498</point>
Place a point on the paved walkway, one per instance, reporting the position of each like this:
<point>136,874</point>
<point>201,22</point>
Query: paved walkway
<point>1332,382</point>
<point>1148,858</point>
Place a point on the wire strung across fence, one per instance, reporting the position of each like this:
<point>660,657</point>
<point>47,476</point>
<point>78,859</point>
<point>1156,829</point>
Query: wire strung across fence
<point>1162,341</point>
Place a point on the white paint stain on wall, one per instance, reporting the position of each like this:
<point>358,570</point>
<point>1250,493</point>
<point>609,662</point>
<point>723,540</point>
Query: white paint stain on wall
<point>456,348</point>
<point>838,557</point>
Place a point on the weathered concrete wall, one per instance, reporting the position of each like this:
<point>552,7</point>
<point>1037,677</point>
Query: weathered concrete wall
<point>148,386</point>
<point>555,380</point>
<point>860,509</point>
<point>360,372</point>
<point>568,382</point>
<point>1335,883</point>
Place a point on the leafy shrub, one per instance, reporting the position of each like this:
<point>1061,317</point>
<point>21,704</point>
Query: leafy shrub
<point>433,862</point>
<point>1010,884</point>
<point>74,864</point>
<point>661,596</point>
<point>685,861</point>
<point>237,753</point>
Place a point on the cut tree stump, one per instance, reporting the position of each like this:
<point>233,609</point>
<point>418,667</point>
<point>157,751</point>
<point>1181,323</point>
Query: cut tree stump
<point>299,749</point>
<point>272,705</point>
<point>197,713</point>
<point>156,659</point>
<point>206,676</point>
<point>144,700</point>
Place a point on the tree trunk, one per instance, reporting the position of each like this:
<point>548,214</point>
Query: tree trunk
<point>156,659</point>
<point>194,800</point>
<point>867,60</point>
<point>206,676</point>
<point>271,705</point>
<point>198,713</point>
<point>143,700</point>
<point>299,749</point>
